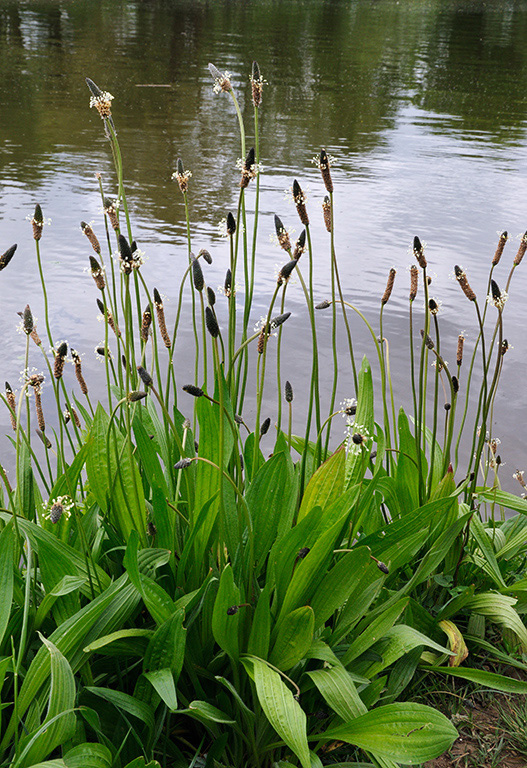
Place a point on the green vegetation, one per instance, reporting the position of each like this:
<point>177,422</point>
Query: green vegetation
<point>180,603</point>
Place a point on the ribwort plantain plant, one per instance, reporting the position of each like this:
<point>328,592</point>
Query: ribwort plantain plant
<point>170,596</point>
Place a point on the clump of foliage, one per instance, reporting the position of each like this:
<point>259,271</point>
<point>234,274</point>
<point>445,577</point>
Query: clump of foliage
<point>169,596</point>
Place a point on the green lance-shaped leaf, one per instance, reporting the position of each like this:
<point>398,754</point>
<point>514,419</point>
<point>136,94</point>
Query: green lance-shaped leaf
<point>271,499</point>
<point>114,477</point>
<point>225,618</point>
<point>374,631</point>
<point>7,555</point>
<point>499,608</point>
<point>326,485</point>
<point>406,733</point>
<point>339,583</point>
<point>164,658</point>
<point>281,709</point>
<point>294,639</point>
<point>61,700</point>
<point>487,679</point>
<point>88,755</point>
<point>126,703</point>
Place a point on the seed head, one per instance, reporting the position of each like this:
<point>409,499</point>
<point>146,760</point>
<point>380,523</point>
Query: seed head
<point>433,306</point>
<point>101,100</point>
<point>414,277</point>
<point>323,304</point>
<point>499,250</point>
<point>233,610</point>
<point>419,253</point>
<point>78,371</point>
<point>282,234</point>
<point>504,347</point>
<point>279,320</point>
<point>6,257</point>
<point>326,212</point>
<point>211,323</point>
<point>324,165</point>
<point>88,231</point>
<point>160,313</point>
<point>300,202</point>
<point>427,340</point>
<point>43,438</point>
<point>110,210</point>
<point>109,317</point>
<point>249,170</point>
<point>10,397</point>
<point>521,251</point>
<point>97,273</point>
<point>221,80</point>
<point>357,438</point>
<point>38,408</point>
<point>461,277</point>
<point>389,287</point>
<point>151,528</point>
<point>300,245</point>
<point>182,176</point>
<point>38,223</point>
<point>146,322</point>
<point>288,389</point>
<point>302,553</point>
<point>60,359</point>
<point>257,84</point>
<point>460,345</point>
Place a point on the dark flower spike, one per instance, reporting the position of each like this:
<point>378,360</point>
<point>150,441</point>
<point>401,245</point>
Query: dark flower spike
<point>47,443</point>
<point>6,257</point>
<point>211,323</point>
<point>282,234</point>
<point>227,285</point>
<point>257,84</point>
<point>125,253</point>
<point>324,170</point>
<point>249,170</point>
<point>133,397</point>
<point>95,90</point>
<point>264,429</point>
<point>144,376</point>
<point>38,222</point>
<point>27,320</point>
<point>180,167</point>
<point>193,390</point>
<point>288,392</point>
<point>504,346</point>
<point>183,463</point>
<point>250,159</point>
<point>97,273</point>
<point>231,224</point>
<point>323,304</point>
<point>205,255</point>
<point>300,202</point>
<point>427,340</point>
<point>211,296</point>
<point>197,274</point>
<point>285,272</point>
<point>300,245</point>
<point>419,253</point>
<point>279,320</point>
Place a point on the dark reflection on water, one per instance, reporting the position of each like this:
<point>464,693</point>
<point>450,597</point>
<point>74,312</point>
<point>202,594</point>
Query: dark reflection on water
<point>422,104</point>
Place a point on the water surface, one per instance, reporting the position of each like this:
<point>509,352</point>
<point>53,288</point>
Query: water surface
<point>423,105</point>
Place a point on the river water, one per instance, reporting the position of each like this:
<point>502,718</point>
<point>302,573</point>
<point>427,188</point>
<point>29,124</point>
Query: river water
<point>421,103</point>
